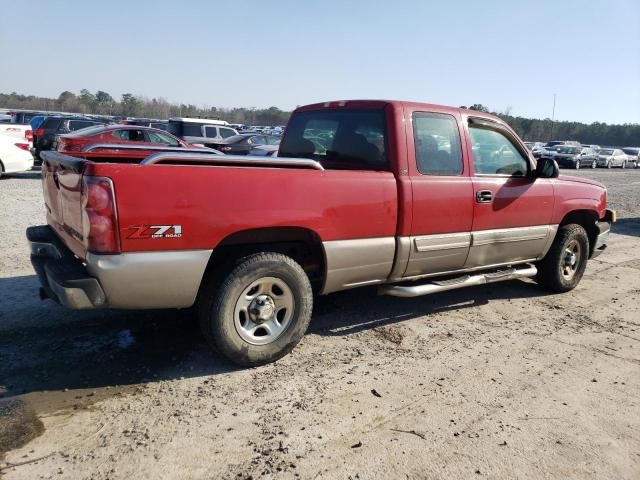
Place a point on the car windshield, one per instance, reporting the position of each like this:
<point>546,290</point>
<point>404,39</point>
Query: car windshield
<point>606,151</point>
<point>236,138</point>
<point>340,139</point>
<point>568,150</point>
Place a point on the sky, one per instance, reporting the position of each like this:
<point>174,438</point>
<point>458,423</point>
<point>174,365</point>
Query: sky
<point>509,55</point>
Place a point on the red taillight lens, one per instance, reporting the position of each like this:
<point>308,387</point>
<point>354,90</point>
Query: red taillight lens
<point>39,132</point>
<point>28,134</point>
<point>99,221</point>
<point>23,146</point>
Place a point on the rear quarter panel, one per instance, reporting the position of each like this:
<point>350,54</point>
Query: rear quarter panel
<point>211,202</point>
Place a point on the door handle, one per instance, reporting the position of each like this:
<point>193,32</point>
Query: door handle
<point>484,196</point>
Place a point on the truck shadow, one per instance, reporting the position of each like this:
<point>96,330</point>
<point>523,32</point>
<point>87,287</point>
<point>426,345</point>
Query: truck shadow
<point>353,311</point>
<point>627,226</point>
<point>47,348</point>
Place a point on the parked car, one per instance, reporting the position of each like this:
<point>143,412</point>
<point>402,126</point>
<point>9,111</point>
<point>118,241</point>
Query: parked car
<point>117,136</point>
<point>575,157</point>
<point>200,130</point>
<point>633,156</point>
<point>24,117</point>
<point>243,143</point>
<point>264,151</point>
<point>14,155</point>
<point>612,157</point>
<point>44,136</point>
<point>537,148</point>
<point>22,132</point>
<point>395,201</point>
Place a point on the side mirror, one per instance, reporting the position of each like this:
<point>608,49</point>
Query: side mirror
<point>547,168</point>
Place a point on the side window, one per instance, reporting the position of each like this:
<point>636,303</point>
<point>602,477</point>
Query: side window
<point>157,137</point>
<point>130,135</point>
<point>226,132</point>
<point>494,154</point>
<point>211,132</point>
<point>258,140</point>
<point>121,134</point>
<point>437,140</point>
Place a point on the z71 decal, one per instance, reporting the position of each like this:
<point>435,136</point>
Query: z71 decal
<point>155,231</point>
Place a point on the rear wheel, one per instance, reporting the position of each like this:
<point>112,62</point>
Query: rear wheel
<point>563,266</point>
<point>259,312</point>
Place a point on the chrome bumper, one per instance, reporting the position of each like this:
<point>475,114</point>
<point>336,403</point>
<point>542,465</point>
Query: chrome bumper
<point>141,280</point>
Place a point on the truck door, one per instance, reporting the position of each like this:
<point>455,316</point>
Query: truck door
<point>442,194</point>
<point>512,208</point>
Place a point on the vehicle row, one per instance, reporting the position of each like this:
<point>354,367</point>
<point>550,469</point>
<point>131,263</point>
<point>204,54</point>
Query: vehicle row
<point>572,154</point>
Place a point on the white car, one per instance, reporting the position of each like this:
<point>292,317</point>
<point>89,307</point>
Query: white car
<point>14,155</point>
<point>612,157</point>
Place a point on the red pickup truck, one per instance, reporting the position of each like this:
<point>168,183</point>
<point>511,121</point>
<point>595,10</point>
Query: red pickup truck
<point>415,198</point>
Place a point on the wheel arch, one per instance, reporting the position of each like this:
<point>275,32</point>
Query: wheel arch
<point>588,220</point>
<point>301,244</point>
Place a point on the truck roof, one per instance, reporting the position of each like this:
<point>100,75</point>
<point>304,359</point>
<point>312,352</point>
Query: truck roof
<point>397,103</point>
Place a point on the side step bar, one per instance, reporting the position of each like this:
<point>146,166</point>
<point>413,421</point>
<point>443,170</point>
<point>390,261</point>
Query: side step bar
<point>455,283</point>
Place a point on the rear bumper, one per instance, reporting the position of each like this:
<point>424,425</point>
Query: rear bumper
<point>63,277</point>
<point>140,280</point>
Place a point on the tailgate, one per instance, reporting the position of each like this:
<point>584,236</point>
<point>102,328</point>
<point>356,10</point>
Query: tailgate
<point>62,190</point>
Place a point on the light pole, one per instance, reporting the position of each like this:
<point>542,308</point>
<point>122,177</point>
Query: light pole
<point>553,116</point>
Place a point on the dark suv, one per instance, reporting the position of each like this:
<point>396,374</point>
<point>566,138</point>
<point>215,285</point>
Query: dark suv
<point>44,136</point>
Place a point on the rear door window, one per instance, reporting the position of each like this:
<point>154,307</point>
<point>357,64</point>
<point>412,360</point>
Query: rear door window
<point>157,137</point>
<point>340,139</point>
<point>211,132</point>
<point>437,144</point>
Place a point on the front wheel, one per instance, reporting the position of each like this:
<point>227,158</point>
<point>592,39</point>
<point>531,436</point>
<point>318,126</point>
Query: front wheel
<point>259,312</point>
<point>563,266</point>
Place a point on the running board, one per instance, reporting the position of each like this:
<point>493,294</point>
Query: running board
<point>455,283</point>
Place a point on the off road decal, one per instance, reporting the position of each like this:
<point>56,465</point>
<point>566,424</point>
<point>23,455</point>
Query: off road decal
<point>155,231</point>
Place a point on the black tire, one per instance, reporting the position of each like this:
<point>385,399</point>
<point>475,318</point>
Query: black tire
<point>219,305</point>
<point>552,269</point>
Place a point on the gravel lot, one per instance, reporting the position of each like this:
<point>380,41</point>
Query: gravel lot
<point>506,382</point>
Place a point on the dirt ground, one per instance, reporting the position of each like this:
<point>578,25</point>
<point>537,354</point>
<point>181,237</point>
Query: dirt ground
<point>505,381</point>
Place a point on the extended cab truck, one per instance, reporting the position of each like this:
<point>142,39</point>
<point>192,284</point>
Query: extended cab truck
<point>414,198</point>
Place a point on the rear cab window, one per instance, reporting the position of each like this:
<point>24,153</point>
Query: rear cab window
<point>437,144</point>
<point>338,139</point>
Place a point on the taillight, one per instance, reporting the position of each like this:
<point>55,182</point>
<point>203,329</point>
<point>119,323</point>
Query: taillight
<point>39,132</point>
<point>99,218</point>
<point>28,134</point>
<point>22,146</point>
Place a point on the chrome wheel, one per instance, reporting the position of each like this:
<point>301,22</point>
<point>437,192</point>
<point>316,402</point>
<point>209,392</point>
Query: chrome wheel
<point>263,310</point>
<point>571,259</point>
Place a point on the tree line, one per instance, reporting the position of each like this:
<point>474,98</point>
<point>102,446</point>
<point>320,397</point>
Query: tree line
<point>129,105</point>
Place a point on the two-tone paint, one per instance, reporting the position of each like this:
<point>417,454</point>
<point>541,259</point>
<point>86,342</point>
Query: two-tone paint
<point>375,227</point>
